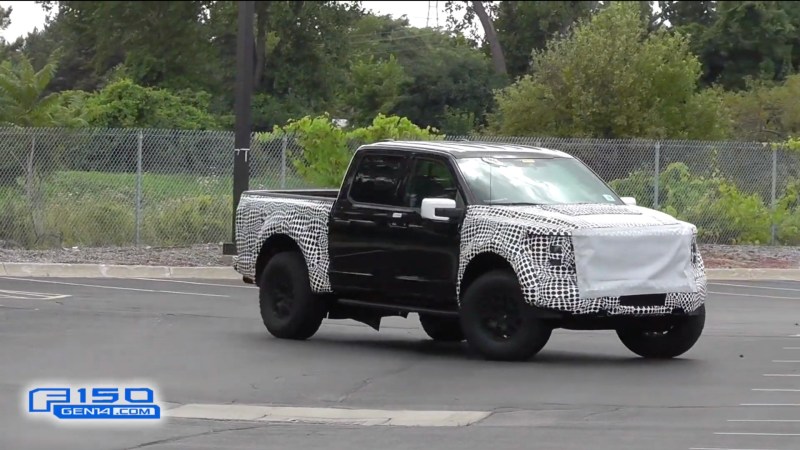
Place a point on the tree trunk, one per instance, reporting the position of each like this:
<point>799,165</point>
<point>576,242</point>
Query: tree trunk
<point>498,60</point>
<point>33,193</point>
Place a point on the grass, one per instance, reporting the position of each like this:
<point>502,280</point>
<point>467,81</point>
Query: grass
<point>99,209</point>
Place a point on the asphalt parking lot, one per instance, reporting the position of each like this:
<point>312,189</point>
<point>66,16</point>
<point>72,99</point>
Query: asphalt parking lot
<point>203,343</point>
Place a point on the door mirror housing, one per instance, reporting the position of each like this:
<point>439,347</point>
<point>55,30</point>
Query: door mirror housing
<point>439,209</point>
<point>629,200</point>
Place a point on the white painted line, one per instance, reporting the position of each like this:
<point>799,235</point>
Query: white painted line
<point>754,295</point>
<point>765,420</point>
<point>735,433</point>
<point>726,448</point>
<point>770,288</point>
<point>785,361</point>
<point>794,335</point>
<point>782,374</point>
<point>777,390</point>
<point>25,295</point>
<point>116,287</point>
<point>365,417</point>
<point>243,286</point>
<point>791,348</point>
<point>769,404</point>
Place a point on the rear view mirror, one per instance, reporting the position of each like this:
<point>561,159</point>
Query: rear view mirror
<point>439,209</point>
<point>629,200</point>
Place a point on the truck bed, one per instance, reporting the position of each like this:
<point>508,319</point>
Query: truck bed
<point>303,194</point>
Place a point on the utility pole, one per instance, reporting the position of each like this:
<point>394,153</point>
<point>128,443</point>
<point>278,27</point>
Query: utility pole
<point>242,109</point>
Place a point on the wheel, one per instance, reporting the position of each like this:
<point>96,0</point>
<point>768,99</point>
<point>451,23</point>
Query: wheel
<point>442,329</point>
<point>497,322</point>
<point>674,341</point>
<point>289,309</point>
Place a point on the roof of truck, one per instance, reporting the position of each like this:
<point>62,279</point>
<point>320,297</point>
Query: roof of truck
<point>471,149</point>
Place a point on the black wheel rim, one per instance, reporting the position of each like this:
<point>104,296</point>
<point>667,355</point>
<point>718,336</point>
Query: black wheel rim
<point>282,294</point>
<point>501,316</point>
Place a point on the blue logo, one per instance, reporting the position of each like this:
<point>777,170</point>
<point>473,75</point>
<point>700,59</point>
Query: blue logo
<point>107,402</point>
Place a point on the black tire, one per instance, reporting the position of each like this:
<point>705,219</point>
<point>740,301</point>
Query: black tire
<point>289,309</point>
<point>443,329</point>
<point>673,342</point>
<point>497,322</point>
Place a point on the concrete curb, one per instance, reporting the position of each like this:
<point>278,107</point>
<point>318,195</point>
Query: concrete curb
<point>56,270</point>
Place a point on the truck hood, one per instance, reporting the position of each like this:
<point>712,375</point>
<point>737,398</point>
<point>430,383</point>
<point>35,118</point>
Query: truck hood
<point>565,218</point>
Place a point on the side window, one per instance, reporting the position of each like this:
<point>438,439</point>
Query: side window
<point>430,179</point>
<point>376,180</point>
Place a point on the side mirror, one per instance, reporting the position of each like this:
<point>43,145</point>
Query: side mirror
<point>629,200</point>
<point>439,209</point>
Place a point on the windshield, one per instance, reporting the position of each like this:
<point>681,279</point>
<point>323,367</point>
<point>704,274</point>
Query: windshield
<point>540,181</point>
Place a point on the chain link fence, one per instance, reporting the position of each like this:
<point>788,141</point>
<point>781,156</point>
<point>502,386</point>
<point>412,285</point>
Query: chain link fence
<point>173,188</point>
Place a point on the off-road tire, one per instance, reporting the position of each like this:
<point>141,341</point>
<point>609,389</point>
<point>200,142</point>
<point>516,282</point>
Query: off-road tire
<point>677,340</point>
<point>497,322</point>
<point>289,309</point>
<point>444,329</point>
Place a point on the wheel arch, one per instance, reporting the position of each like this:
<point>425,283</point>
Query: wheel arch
<point>273,245</point>
<point>480,264</point>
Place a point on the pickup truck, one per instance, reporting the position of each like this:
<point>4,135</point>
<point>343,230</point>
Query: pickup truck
<point>493,244</point>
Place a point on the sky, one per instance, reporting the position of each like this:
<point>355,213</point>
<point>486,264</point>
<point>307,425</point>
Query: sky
<point>27,15</point>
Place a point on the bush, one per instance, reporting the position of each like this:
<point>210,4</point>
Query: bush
<point>326,149</point>
<point>90,222</point>
<point>189,220</point>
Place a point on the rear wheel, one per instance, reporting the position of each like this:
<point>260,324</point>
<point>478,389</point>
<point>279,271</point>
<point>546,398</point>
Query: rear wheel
<point>497,322</point>
<point>289,309</point>
<point>674,341</point>
<point>444,329</point>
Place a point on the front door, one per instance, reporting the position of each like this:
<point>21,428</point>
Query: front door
<point>426,253</point>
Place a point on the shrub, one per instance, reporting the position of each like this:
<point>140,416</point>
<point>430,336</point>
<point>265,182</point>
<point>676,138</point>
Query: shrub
<point>90,221</point>
<point>189,220</point>
<point>326,149</point>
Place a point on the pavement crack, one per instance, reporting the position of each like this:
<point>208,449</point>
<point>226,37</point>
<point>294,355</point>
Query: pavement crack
<point>605,411</point>
<point>193,435</point>
<point>367,381</point>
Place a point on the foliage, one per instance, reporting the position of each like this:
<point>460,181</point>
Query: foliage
<point>375,87</point>
<point>610,79</point>
<point>326,149</point>
<point>124,104</point>
<point>191,219</point>
<point>767,111</point>
<point>721,211</point>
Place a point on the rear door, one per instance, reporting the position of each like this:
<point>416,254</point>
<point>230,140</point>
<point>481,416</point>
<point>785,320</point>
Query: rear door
<point>364,225</point>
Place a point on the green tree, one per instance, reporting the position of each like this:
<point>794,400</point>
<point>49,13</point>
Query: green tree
<point>766,111</point>
<point>524,26</point>
<point>611,79</point>
<point>25,103</point>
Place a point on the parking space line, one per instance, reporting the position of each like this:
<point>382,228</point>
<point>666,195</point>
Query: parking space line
<point>726,448</point>
<point>197,283</point>
<point>769,404</point>
<point>754,295</point>
<point>782,374</point>
<point>765,420</point>
<point>769,288</point>
<point>785,361</point>
<point>116,287</point>
<point>791,348</point>
<point>777,390</point>
<point>27,295</point>
<point>736,433</point>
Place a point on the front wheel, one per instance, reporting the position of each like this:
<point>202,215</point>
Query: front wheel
<point>676,340</point>
<point>497,322</point>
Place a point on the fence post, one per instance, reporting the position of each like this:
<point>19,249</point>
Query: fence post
<point>774,201</point>
<point>658,171</point>
<point>139,188</point>
<point>283,162</point>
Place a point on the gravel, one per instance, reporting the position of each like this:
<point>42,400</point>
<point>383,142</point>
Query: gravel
<point>714,256</point>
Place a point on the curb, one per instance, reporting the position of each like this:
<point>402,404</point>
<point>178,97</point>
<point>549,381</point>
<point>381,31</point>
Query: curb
<point>56,270</point>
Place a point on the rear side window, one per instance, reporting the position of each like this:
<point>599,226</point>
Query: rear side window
<point>377,179</point>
